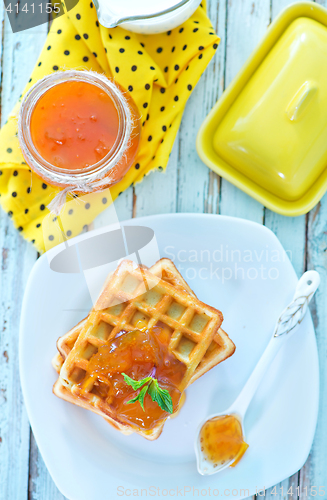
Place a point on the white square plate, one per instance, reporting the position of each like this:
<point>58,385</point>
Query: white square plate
<point>234,265</point>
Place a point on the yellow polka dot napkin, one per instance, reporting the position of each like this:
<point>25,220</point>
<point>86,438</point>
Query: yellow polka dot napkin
<point>160,72</point>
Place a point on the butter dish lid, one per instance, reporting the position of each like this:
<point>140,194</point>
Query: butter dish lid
<point>268,132</point>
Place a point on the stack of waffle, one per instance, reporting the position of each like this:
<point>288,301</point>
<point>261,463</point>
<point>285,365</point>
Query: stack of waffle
<point>134,296</point>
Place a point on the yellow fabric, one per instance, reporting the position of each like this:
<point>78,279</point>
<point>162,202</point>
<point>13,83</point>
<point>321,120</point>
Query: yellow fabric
<point>168,66</point>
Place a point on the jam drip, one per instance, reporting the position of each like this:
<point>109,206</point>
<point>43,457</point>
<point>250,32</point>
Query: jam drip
<point>139,354</point>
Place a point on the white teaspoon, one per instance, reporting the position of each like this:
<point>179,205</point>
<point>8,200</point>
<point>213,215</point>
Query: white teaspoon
<point>286,325</point>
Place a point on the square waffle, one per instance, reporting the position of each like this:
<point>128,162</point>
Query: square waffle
<point>220,348</point>
<point>130,295</point>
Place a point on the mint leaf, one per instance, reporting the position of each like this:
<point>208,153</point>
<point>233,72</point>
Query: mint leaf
<point>136,384</point>
<point>157,394</point>
<point>160,396</point>
<point>139,397</point>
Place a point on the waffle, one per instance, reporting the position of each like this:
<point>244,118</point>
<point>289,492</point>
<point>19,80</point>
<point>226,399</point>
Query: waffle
<point>133,294</point>
<point>220,348</point>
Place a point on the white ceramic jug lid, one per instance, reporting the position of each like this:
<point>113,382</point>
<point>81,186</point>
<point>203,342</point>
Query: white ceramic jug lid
<point>112,13</point>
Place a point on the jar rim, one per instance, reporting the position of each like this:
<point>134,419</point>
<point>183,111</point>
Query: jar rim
<point>74,177</point>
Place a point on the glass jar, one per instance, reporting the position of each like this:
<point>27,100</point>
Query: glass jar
<point>107,170</point>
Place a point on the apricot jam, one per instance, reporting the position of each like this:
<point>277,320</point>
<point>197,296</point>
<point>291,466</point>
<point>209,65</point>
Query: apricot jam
<point>221,440</point>
<point>79,130</point>
<point>74,125</point>
<point>139,354</point>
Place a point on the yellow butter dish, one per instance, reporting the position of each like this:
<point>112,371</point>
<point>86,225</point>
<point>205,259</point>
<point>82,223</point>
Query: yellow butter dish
<point>268,132</point>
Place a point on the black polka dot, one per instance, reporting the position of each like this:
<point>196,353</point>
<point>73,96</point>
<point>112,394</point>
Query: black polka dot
<point>121,50</point>
<point>137,166</point>
<point>150,138</point>
<point>147,116</point>
<point>160,168</point>
<point>173,49</point>
<point>54,219</point>
<point>145,105</point>
<point>59,32</point>
<point>159,50</point>
<point>55,68</point>
<point>164,128</point>
<point>110,36</point>
<point>189,87</point>
<point>33,241</point>
<point>87,206</point>
<point>105,50</point>
<point>142,44</point>
<point>211,33</point>
<point>97,24</point>
<point>39,63</point>
<point>91,5</point>
<point>51,237</point>
<point>185,47</point>
<point>71,211</point>
<point>26,210</point>
<point>95,54</point>
<point>85,58</point>
<point>176,67</point>
<point>29,81</point>
<point>195,30</point>
<point>104,200</point>
<point>117,69</point>
<point>147,86</point>
<point>215,45</point>
<point>181,30</point>
<point>42,207</point>
<point>127,37</point>
<point>162,108</point>
<point>85,35</point>
<point>140,52</point>
<point>10,213</point>
<point>69,233</point>
<point>14,194</point>
<point>162,90</point>
<point>9,150</point>
<point>66,52</point>
<point>49,47</point>
<point>152,67</point>
<point>176,80</point>
<point>143,124</point>
<point>77,37</point>
<point>196,22</point>
<point>169,32</point>
<point>85,227</point>
<point>130,88</point>
<point>200,56</point>
<point>78,16</point>
<point>134,68</point>
<point>187,67</point>
<point>201,47</point>
<point>120,193</point>
<point>176,98</point>
<point>20,229</point>
<point>15,173</point>
<point>38,225</point>
<point>28,190</point>
<point>166,69</point>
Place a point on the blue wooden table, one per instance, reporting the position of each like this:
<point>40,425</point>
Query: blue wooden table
<point>187,186</point>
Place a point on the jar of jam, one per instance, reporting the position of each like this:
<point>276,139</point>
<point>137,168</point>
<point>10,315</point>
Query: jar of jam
<point>79,130</point>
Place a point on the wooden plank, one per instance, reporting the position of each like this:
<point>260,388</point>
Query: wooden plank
<point>20,52</point>
<point>247,21</point>
<point>198,189</point>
